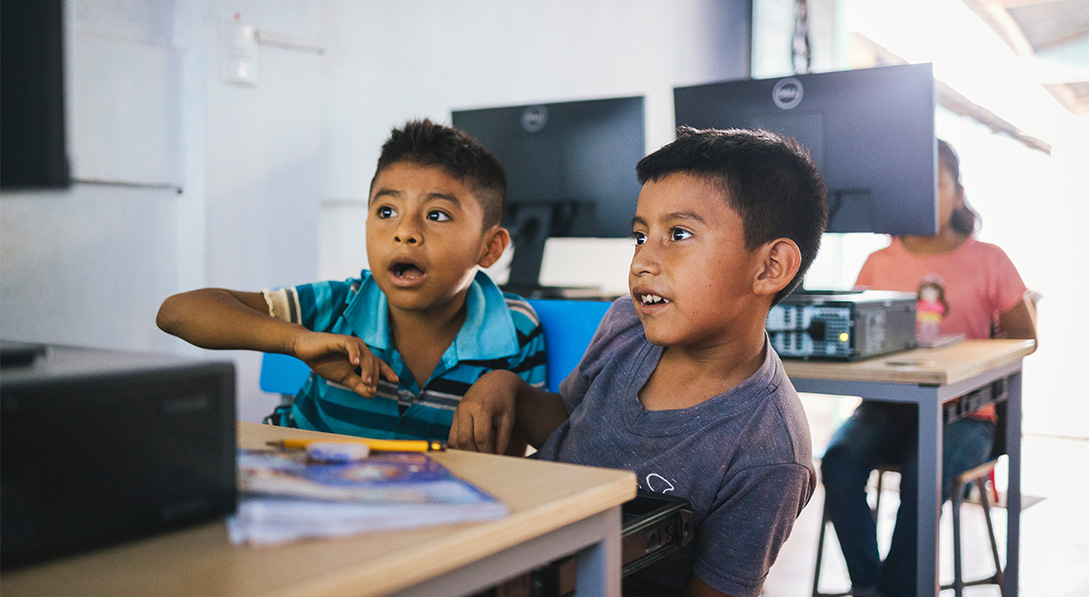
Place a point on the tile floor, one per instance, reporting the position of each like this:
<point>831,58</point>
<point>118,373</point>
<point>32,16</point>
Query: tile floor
<point>1054,531</point>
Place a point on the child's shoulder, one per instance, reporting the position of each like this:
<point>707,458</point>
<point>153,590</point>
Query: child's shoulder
<point>331,292</point>
<point>983,249</point>
<point>521,310</point>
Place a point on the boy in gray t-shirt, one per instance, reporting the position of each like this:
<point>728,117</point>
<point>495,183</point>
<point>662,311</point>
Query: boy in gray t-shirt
<point>680,384</point>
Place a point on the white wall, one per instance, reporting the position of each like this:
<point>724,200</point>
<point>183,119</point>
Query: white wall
<point>148,106</point>
<point>90,265</point>
<point>493,53</point>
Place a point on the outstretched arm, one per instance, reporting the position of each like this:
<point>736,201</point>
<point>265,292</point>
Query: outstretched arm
<point>501,405</point>
<point>217,318</point>
<point>1019,322</point>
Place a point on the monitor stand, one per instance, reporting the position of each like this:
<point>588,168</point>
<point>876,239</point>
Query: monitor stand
<point>530,231</point>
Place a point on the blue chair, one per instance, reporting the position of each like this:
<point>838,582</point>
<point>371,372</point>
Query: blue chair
<point>283,374</point>
<point>568,328</point>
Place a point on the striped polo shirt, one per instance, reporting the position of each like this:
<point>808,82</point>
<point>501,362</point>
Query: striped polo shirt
<point>501,331</point>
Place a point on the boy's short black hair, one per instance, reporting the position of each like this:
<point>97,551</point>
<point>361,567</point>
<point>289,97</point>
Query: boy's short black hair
<point>427,143</point>
<point>769,180</point>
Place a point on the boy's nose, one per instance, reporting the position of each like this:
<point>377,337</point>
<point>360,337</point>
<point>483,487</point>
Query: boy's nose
<point>644,261</point>
<point>407,233</point>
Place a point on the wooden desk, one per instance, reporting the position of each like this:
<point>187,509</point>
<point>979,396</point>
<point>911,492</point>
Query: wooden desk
<point>930,378</point>
<point>556,509</point>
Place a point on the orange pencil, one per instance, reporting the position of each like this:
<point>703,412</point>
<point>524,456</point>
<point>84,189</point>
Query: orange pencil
<point>379,445</point>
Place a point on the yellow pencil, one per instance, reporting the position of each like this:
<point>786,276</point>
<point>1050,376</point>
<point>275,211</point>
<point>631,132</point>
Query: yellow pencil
<point>379,445</point>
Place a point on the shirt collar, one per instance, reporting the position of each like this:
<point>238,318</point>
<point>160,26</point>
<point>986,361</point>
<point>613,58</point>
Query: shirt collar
<point>488,332</point>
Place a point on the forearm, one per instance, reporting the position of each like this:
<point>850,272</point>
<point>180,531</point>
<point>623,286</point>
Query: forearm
<point>1018,323</point>
<point>223,319</point>
<point>538,413</point>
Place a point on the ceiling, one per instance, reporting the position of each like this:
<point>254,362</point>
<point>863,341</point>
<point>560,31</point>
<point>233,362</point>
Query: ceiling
<point>1054,35</point>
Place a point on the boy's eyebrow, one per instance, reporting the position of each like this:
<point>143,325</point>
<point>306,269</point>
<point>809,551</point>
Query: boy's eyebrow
<point>387,192</point>
<point>443,197</point>
<point>673,217</point>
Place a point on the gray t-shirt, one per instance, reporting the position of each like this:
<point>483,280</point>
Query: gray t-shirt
<point>743,459</point>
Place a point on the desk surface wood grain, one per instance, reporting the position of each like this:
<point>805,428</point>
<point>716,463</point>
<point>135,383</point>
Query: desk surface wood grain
<point>927,366</point>
<point>541,496</point>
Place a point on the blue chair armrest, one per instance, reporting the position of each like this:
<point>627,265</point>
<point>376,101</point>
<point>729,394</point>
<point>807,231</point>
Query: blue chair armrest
<point>568,328</point>
<point>283,374</point>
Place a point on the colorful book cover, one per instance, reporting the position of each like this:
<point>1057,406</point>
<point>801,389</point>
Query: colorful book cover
<point>285,497</point>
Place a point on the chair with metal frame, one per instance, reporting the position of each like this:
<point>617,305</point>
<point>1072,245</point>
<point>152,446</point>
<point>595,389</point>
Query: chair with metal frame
<point>961,486</point>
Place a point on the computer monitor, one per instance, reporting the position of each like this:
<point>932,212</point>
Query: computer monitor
<point>570,172</point>
<point>32,130</point>
<point>870,131</point>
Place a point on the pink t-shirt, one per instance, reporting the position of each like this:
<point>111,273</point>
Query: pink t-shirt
<point>960,292</point>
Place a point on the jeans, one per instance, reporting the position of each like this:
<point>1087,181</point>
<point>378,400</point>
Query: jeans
<point>880,433</point>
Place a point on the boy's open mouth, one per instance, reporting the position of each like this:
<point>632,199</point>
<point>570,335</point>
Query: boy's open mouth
<point>406,270</point>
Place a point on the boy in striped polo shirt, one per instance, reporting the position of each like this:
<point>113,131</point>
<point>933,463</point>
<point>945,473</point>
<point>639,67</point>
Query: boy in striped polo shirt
<point>392,352</point>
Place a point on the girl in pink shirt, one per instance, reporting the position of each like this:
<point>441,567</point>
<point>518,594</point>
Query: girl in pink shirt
<point>964,287</point>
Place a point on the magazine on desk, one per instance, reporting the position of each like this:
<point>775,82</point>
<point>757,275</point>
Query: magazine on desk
<point>283,497</point>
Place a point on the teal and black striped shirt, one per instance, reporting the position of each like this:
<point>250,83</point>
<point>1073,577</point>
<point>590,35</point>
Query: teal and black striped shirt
<point>501,331</point>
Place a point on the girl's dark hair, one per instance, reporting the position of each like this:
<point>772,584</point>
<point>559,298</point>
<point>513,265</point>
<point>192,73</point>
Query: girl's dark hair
<point>770,181</point>
<point>427,143</point>
<point>964,220</point>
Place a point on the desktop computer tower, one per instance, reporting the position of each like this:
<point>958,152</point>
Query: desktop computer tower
<point>102,446</point>
<point>843,326</point>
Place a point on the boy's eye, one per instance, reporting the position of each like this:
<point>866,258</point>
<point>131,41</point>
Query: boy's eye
<point>679,234</point>
<point>386,212</point>
<point>438,216</point>
<point>639,237</point>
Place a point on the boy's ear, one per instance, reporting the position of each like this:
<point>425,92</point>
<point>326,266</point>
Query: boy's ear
<point>496,240</point>
<point>781,260</point>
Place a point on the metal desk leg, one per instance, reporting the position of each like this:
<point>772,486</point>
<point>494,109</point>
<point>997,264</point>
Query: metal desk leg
<point>1011,576</point>
<point>598,571</point>
<point>929,497</point>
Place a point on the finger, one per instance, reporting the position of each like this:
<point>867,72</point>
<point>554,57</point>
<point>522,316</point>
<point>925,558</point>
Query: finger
<point>357,385</point>
<point>372,369</point>
<point>502,436</point>
<point>463,435</point>
<point>386,371</point>
<point>364,390</point>
<point>483,438</point>
<point>453,440</point>
<point>354,353</point>
<point>366,373</point>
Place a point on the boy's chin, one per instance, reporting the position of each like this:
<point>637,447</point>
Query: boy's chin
<point>656,337</point>
<point>409,301</point>
<point>414,300</point>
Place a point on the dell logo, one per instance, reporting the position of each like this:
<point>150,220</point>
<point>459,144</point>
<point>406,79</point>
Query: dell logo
<point>534,118</point>
<point>787,93</point>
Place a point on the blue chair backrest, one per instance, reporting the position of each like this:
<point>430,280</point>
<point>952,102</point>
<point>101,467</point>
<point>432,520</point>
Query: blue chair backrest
<point>283,374</point>
<point>568,328</point>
